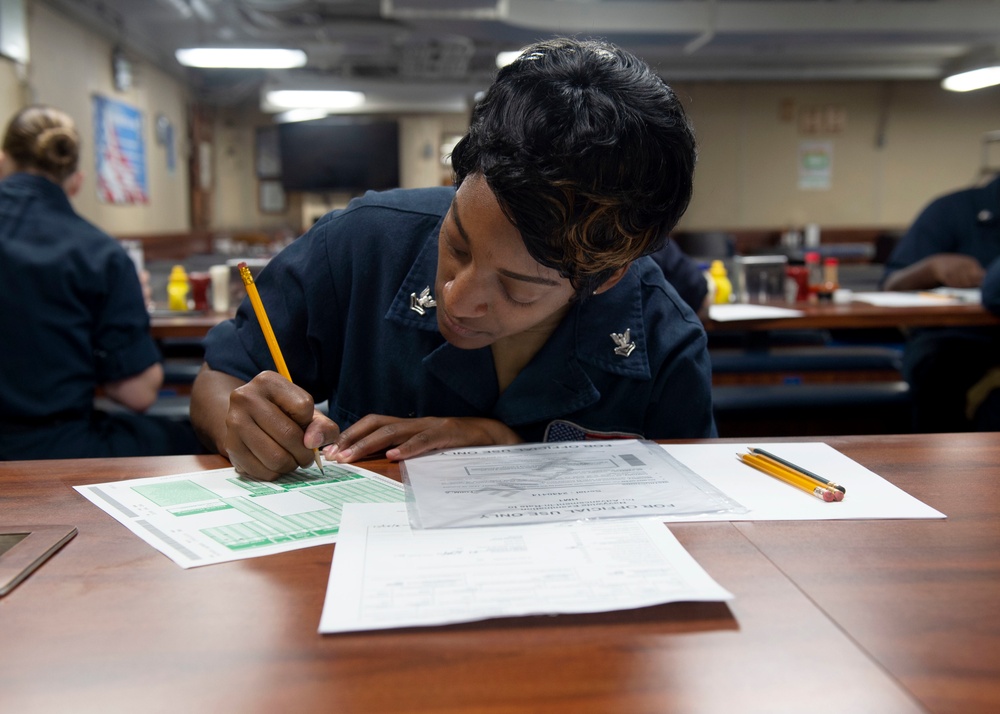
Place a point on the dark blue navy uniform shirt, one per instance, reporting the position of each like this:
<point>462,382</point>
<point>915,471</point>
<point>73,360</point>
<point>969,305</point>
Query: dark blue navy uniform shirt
<point>340,300</point>
<point>966,222</point>
<point>72,317</point>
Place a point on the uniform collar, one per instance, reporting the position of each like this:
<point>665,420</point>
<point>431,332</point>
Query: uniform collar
<point>33,184</point>
<point>421,276</point>
<point>615,312</point>
<point>552,384</point>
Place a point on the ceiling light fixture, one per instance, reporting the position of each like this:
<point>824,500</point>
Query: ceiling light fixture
<point>313,99</point>
<point>505,58</point>
<point>973,79</point>
<point>977,70</point>
<point>301,114</point>
<point>240,58</point>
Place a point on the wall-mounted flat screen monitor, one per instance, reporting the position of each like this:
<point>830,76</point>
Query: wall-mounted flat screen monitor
<point>339,154</point>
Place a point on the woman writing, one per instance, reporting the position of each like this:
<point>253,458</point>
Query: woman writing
<point>518,307</point>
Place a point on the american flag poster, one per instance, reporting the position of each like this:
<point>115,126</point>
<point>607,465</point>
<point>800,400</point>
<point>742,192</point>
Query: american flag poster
<point>121,152</point>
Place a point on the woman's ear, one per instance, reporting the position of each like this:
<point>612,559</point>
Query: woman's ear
<point>612,281</point>
<point>73,183</point>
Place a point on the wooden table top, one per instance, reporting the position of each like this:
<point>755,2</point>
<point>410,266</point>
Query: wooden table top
<point>850,616</point>
<point>864,315</point>
<point>185,325</point>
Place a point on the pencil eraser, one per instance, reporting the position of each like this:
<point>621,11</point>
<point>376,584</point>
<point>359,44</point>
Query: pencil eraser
<point>828,496</point>
<point>838,495</point>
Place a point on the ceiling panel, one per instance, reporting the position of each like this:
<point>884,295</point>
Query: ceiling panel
<point>451,44</point>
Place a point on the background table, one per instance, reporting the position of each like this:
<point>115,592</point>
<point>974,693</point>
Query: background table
<point>859,315</point>
<point>853,616</point>
<point>193,325</point>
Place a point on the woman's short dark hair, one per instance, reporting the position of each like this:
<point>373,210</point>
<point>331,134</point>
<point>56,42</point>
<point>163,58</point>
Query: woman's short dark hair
<point>43,139</point>
<point>588,152</point>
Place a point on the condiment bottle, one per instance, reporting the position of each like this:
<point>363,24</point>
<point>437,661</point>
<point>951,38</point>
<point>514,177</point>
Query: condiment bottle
<point>815,271</point>
<point>723,287</point>
<point>830,279</point>
<point>178,287</point>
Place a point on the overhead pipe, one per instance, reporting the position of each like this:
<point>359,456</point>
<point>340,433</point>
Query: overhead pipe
<point>705,37</point>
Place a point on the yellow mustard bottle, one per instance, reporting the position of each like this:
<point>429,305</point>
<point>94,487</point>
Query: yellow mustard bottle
<point>178,286</point>
<point>723,287</point>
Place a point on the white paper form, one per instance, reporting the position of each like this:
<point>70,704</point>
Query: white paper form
<point>731,312</point>
<point>216,516</point>
<point>558,481</point>
<point>906,299</point>
<point>770,499</point>
<point>969,295</point>
<point>387,575</point>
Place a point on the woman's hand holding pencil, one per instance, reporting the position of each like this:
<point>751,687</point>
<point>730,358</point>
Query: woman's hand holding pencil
<point>272,342</point>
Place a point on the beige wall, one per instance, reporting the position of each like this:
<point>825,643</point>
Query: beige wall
<point>11,88</point>
<point>747,174</point>
<point>235,196</point>
<point>68,65</point>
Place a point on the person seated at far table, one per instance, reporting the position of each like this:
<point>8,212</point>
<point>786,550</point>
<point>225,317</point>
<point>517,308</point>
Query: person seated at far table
<point>519,307</point>
<point>72,312</point>
<point>949,244</point>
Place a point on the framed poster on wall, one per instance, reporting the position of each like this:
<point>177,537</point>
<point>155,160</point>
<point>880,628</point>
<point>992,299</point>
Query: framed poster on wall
<point>120,152</point>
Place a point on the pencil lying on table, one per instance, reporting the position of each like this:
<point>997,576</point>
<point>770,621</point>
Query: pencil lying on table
<point>272,341</point>
<point>794,467</point>
<point>793,478</point>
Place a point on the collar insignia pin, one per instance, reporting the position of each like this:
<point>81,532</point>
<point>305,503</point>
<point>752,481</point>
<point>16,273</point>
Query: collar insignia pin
<point>623,343</point>
<point>420,303</point>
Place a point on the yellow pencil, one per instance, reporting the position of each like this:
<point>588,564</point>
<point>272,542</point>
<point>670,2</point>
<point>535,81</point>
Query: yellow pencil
<point>784,463</point>
<point>790,477</point>
<point>272,341</point>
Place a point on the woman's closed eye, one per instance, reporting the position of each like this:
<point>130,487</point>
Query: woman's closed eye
<point>516,300</point>
<point>457,252</point>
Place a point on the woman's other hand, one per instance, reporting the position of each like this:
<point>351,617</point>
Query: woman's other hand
<point>406,438</point>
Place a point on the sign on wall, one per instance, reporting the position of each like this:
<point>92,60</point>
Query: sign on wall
<point>121,152</point>
<point>815,165</point>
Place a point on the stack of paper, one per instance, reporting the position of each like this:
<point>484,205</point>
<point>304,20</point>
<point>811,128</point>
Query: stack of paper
<point>494,531</point>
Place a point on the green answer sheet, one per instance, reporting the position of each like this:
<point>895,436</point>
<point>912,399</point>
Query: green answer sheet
<point>208,517</point>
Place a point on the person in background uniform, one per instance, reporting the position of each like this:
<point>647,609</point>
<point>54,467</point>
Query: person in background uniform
<point>685,275</point>
<point>72,313</point>
<point>950,244</point>
<point>519,307</point>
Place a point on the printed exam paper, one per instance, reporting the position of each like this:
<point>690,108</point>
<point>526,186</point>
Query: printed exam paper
<point>387,575</point>
<point>556,481</point>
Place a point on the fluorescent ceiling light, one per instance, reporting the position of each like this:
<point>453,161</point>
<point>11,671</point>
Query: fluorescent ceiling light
<point>301,114</point>
<point>505,58</point>
<point>314,99</point>
<point>241,58</point>
<point>973,79</point>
